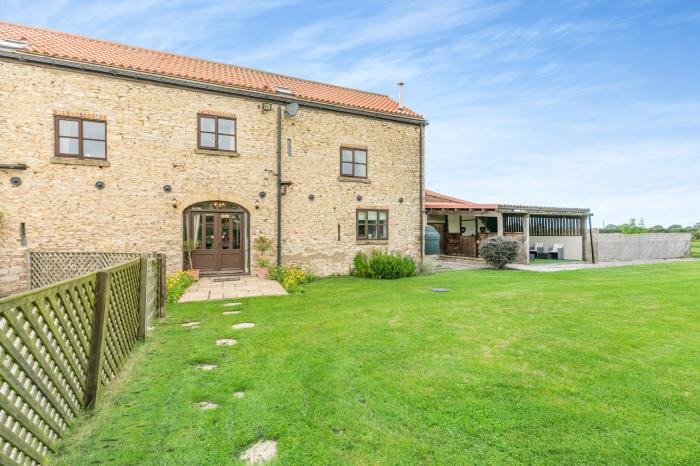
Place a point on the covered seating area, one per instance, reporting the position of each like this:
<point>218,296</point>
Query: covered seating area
<point>543,232</point>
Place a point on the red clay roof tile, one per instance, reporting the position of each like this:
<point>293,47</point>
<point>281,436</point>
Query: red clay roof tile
<point>83,49</point>
<point>435,200</point>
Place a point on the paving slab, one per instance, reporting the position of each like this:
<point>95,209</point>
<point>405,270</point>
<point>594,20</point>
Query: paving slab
<point>587,265</point>
<point>245,287</point>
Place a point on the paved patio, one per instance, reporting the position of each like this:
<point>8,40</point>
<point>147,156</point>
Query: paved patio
<point>231,287</point>
<point>585,265</point>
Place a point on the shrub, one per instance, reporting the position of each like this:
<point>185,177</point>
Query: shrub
<point>175,286</point>
<point>361,263</point>
<point>499,251</point>
<point>291,278</point>
<point>383,265</point>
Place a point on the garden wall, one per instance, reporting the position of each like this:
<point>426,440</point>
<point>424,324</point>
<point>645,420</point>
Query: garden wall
<point>628,247</point>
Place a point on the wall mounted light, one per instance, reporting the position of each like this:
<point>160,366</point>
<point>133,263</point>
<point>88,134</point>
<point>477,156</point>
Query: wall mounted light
<point>174,203</point>
<point>100,185</point>
<point>257,204</point>
<point>359,198</point>
<point>167,188</point>
<point>262,194</point>
<point>401,200</point>
<point>15,181</point>
<point>311,197</point>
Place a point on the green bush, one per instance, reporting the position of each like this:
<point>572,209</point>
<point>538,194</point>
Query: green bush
<point>361,268</point>
<point>175,286</point>
<point>291,278</point>
<point>383,265</point>
<point>499,251</point>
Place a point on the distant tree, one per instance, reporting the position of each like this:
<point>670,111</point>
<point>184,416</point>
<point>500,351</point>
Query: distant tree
<point>612,227</point>
<point>641,223</point>
<point>675,227</point>
<point>697,225</point>
<point>632,222</point>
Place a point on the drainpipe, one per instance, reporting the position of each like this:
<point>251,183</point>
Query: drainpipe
<point>420,192</point>
<point>279,185</point>
<point>590,235</point>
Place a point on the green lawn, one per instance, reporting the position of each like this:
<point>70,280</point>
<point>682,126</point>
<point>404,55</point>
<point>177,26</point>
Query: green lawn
<point>582,367</point>
<point>695,248</point>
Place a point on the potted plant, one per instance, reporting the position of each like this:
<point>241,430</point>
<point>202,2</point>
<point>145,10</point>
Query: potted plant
<point>262,244</point>
<point>188,246</point>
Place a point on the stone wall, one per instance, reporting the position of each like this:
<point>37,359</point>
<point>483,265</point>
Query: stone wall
<point>13,271</point>
<point>151,142</point>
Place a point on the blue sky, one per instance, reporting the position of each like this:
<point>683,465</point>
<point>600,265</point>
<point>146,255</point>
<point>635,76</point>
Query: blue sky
<point>568,103</point>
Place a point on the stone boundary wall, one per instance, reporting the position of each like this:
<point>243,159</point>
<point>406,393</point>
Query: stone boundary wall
<point>624,247</point>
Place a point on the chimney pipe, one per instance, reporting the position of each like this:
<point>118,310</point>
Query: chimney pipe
<point>400,97</point>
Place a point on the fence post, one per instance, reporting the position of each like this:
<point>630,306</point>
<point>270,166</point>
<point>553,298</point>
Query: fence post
<point>143,294</point>
<point>162,287</point>
<point>99,327</point>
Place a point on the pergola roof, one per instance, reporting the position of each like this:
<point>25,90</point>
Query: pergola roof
<point>525,209</point>
<point>435,201</point>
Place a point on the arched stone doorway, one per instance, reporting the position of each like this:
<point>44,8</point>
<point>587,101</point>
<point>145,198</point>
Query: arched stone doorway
<point>222,234</point>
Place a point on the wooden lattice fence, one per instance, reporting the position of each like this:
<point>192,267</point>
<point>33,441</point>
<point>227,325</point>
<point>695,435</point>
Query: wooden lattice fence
<point>59,345</point>
<point>47,267</point>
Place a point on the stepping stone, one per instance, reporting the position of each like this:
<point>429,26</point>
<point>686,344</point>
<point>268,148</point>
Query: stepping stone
<point>226,342</point>
<point>207,367</point>
<point>231,313</point>
<point>207,405</point>
<point>239,394</point>
<point>191,324</point>
<point>261,452</point>
<point>232,304</point>
<point>244,325</point>
<point>439,290</point>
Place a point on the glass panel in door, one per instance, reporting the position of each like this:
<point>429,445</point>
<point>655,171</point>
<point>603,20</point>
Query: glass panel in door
<point>209,231</point>
<point>225,230</point>
<point>236,231</point>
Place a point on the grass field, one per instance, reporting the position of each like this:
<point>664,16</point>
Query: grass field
<point>695,248</point>
<point>581,367</point>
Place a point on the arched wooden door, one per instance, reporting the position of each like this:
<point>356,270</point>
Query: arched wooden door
<point>220,230</point>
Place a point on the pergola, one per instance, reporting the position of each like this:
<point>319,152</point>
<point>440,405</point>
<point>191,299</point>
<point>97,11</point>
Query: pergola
<point>547,225</point>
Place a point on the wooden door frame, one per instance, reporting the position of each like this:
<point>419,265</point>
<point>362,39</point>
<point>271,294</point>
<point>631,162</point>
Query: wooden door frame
<point>245,231</point>
<point>242,238</point>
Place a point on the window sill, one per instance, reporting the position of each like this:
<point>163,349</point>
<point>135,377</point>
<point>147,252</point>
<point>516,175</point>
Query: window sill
<point>223,153</point>
<point>373,241</point>
<point>353,179</point>
<point>87,162</point>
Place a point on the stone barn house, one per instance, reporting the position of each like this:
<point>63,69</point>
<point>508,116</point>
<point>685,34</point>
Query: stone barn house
<point>111,148</point>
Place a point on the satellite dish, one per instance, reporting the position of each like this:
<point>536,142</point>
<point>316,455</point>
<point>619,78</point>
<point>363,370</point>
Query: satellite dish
<point>291,109</point>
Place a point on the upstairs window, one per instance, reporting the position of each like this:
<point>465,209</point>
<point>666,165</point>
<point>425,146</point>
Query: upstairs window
<point>353,162</point>
<point>372,224</point>
<point>216,133</point>
<point>81,138</point>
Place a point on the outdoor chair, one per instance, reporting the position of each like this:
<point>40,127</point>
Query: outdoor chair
<point>537,250</point>
<point>556,251</point>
